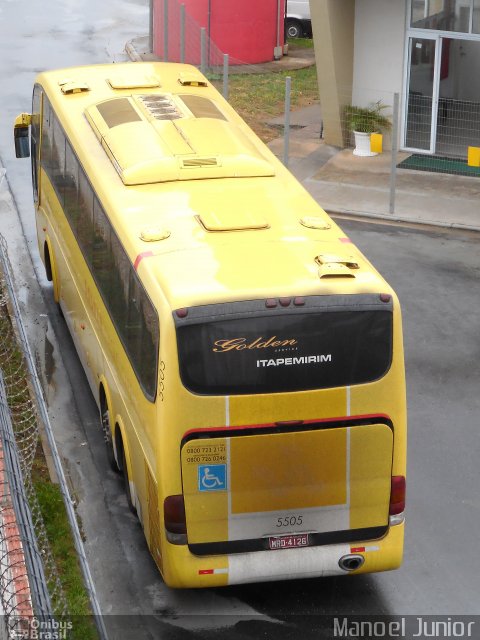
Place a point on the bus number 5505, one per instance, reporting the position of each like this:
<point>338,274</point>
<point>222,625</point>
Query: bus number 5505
<point>289,521</point>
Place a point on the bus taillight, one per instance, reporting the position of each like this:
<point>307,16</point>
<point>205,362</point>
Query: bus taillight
<point>397,496</point>
<point>175,521</point>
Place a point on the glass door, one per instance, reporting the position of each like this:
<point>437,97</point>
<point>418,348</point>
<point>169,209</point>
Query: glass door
<point>421,100</point>
<point>458,122</point>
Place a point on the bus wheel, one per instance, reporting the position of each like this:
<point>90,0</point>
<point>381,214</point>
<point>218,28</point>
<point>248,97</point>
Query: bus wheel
<point>107,434</point>
<point>124,469</point>
<point>51,277</point>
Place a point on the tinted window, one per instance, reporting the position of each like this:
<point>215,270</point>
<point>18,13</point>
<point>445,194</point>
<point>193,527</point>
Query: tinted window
<point>35,138</point>
<point>133,315</point>
<point>71,184</point>
<point>82,221</point>
<point>102,259</point>
<point>202,107</point>
<point>47,136</point>
<point>58,160</point>
<point>285,352</point>
<point>117,111</point>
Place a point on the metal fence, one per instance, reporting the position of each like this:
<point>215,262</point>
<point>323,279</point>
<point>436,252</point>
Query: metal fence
<point>419,163</point>
<point>29,578</point>
<point>30,585</point>
<point>176,37</point>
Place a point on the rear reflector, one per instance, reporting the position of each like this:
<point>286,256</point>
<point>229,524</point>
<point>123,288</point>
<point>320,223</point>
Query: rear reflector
<point>397,497</point>
<point>174,514</point>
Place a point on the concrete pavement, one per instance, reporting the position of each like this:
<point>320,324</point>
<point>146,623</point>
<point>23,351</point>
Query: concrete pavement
<point>354,186</point>
<point>361,187</point>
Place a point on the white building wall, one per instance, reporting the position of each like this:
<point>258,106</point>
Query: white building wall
<point>379,50</point>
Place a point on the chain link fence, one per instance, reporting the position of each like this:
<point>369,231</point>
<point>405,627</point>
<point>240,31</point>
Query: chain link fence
<point>31,592</point>
<point>29,577</point>
<point>177,37</point>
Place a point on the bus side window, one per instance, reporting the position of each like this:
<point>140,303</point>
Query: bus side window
<point>58,160</point>
<point>35,139</point>
<point>46,153</point>
<point>142,334</point>
<point>102,263</point>
<point>85,217</point>
<point>119,293</point>
<point>149,344</point>
<point>71,186</point>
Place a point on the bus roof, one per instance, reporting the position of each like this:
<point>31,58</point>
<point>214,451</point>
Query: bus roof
<point>203,208</point>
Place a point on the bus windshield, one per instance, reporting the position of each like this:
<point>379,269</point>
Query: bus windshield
<point>313,346</point>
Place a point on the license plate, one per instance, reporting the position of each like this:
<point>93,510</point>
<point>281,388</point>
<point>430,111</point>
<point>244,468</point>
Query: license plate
<point>289,542</point>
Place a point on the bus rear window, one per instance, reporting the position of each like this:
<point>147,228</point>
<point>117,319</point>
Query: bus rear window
<point>312,347</point>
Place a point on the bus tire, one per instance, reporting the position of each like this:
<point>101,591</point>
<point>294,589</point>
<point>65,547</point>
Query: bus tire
<point>126,482</point>
<point>51,273</point>
<point>107,432</point>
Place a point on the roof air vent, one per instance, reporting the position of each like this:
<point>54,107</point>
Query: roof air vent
<point>315,222</point>
<point>231,221</point>
<point>154,234</point>
<point>192,79</point>
<point>128,80</point>
<point>160,107</point>
<point>69,86</point>
<point>332,266</point>
<point>193,163</point>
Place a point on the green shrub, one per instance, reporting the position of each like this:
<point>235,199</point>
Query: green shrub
<point>366,119</point>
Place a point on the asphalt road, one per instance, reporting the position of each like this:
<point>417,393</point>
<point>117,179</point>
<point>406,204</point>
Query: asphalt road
<point>437,276</point>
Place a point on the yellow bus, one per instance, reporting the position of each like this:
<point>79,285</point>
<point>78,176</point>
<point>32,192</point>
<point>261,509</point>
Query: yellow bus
<point>246,358</point>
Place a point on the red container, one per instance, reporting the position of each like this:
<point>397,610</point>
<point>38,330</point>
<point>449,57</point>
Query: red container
<point>248,30</point>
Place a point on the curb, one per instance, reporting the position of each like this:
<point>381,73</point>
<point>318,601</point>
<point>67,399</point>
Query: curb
<point>132,52</point>
<point>401,221</point>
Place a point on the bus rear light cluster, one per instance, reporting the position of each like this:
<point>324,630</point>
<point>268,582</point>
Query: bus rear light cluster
<point>397,496</point>
<point>272,303</point>
<point>175,520</point>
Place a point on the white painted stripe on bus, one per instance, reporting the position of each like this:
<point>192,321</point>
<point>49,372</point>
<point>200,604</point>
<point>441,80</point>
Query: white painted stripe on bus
<point>364,549</point>
<point>284,564</point>
<point>227,411</point>
<point>349,412</point>
<point>229,487</point>
<point>347,480</point>
<point>244,526</point>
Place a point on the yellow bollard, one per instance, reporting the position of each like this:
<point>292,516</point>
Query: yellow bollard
<point>474,156</point>
<point>376,142</point>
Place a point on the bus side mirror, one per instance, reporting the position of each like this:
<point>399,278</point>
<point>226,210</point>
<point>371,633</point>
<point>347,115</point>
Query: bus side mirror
<point>20,134</point>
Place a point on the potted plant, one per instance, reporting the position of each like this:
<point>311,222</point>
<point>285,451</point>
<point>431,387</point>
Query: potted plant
<point>364,121</point>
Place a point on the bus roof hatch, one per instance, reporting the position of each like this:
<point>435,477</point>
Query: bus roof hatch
<point>168,144</point>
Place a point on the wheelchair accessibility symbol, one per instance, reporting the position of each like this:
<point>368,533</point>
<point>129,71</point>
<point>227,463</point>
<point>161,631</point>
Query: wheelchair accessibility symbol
<point>212,477</point>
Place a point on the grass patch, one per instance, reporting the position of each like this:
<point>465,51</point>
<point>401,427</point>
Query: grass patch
<point>259,98</point>
<point>58,533</point>
<point>299,43</point>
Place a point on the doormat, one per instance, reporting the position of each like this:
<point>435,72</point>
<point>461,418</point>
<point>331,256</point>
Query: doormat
<point>437,164</point>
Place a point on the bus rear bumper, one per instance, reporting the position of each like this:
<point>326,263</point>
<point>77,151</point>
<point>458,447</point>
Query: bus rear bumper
<point>189,571</point>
